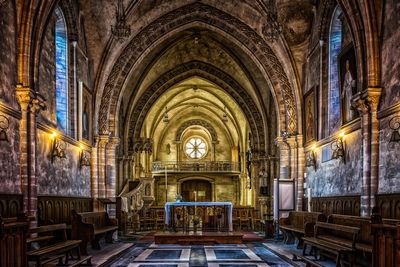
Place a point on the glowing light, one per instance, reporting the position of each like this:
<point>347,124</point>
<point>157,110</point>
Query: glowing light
<point>53,135</point>
<point>341,134</point>
<point>81,146</point>
<point>314,146</point>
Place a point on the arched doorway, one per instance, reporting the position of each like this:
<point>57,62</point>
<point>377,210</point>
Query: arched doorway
<point>201,187</point>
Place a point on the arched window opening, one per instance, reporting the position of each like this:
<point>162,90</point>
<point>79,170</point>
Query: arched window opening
<point>335,46</point>
<point>61,44</point>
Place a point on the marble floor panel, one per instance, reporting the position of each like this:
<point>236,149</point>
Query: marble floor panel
<point>247,255</point>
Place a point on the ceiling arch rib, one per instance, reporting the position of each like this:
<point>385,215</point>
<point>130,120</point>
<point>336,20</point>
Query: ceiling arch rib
<point>138,114</point>
<point>180,17</point>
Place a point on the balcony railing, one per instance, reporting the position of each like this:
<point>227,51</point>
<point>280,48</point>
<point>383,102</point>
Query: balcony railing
<point>201,166</point>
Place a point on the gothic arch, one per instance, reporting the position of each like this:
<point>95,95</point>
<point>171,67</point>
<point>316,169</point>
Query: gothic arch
<point>197,12</point>
<point>199,122</point>
<point>212,74</point>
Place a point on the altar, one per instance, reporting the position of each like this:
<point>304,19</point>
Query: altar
<point>199,216</point>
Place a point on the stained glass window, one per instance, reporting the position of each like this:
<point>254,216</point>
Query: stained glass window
<point>335,45</point>
<point>196,148</point>
<point>61,43</point>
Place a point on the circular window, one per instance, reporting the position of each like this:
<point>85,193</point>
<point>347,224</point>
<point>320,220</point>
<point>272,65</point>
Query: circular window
<point>196,148</point>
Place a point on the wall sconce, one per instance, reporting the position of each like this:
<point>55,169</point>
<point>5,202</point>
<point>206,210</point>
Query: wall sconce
<point>310,158</point>
<point>394,124</point>
<point>84,159</point>
<point>165,117</point>
<point>338,147</point>
<point>4,123</point>
<point>58,148</point>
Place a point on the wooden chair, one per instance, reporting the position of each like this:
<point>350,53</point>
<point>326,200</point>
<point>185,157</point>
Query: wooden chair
<point>245,219</point>
<point>160,219</point>
<point>256,221</point>
<point>235,219</point>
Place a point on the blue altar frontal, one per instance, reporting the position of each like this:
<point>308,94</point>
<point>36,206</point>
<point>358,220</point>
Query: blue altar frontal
<point>206,216</point>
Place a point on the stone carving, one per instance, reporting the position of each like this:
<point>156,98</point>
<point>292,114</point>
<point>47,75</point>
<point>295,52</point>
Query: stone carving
<point>203,13</point>
<point>203,123</point>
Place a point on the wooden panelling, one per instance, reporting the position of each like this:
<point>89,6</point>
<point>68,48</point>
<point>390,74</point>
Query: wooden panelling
<point>13,241</point>
<point>55,209</point>
<point>346,205</point>
<point>389,205</point>
<point>386,245</point>
<point>10,205</point>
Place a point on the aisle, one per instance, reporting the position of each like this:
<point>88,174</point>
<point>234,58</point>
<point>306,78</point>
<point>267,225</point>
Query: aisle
<point>250,255</point>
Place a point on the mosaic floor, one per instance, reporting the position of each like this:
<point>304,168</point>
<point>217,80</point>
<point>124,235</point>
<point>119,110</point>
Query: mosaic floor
<point>247,255</point>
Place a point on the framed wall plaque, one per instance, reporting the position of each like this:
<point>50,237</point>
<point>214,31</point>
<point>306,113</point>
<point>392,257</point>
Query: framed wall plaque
<point>85,108</point>
<point>310,115</point>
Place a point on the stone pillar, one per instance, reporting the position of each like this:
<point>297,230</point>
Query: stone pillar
<point>365,200</point>
<point>31,103</point>
<point>95,174</point>
<point>300,172</point>
<point>111,168</point>
<point>373,97</point>
<point>101,164</point>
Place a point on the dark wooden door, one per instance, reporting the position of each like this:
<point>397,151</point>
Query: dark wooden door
<point>201,187</point>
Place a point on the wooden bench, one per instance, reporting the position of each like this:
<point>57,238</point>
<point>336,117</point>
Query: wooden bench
<point>335,239</point>
<point>364,239</point>
<point>91,227</point>
<point>299,224</point>
<point>56,247</point>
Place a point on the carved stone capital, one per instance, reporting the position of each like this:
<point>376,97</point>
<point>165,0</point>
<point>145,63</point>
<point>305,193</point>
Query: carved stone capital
<point>113,142</point>
<point>103,140</point>
<point>24,97</point>
<point>372,96</point>
<point>359,103</point>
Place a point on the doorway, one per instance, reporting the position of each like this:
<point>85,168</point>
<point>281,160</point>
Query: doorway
<point>201,187</point>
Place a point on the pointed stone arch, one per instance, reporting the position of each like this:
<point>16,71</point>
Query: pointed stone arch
<point>203,123</point>
<point>197,12</point>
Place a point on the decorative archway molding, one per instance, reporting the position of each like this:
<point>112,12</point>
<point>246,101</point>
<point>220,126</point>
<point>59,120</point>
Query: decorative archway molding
<point>233,27</point>
<point>198,122</point>
<point>139,111</point>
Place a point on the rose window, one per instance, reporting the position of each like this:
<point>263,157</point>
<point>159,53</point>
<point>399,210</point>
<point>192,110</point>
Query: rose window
<point>196,148</point>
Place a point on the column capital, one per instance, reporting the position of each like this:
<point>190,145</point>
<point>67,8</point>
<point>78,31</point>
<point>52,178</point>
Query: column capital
<point>102,140</point>
<point>38,103</point>
<point>24,96</point>
<point>373,96</point>
<point>114,141</point>
<point>359,103</point>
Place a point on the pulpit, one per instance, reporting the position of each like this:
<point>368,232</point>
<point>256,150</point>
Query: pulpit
<point>193,216</point>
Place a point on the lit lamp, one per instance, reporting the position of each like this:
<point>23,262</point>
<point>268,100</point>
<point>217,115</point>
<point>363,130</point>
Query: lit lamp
<point>58,148</point>
<point>4,123</point>
<point>338,148</point>
<point>83,157</point>
<point>310,157</point>
<point>394,124</point>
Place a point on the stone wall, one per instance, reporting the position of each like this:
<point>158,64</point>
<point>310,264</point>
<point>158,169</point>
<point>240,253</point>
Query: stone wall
<point>62,177</point>
<point>8,54</point>
<point>334,177</point>
<point>10,158</point>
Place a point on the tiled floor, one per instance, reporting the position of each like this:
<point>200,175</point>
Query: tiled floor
<point>247,255</point>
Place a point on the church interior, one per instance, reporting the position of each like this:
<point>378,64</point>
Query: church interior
<point>199,133</point>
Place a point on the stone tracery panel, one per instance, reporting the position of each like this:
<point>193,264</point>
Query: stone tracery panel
<point>203,13</point>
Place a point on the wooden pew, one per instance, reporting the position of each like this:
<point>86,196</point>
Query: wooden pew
<point>339,240</point>
<point>364,239</point>
<point>91,227</point>
<point>57,246</point>
<point>299,224</point>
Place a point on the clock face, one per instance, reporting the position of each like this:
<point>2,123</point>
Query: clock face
<point>196,148</point>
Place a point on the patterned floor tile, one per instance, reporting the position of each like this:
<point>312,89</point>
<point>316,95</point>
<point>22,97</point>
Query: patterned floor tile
<point>230,255</point>
<point>164,254</point>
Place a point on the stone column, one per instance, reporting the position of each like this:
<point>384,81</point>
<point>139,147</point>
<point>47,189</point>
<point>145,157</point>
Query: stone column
<point>31,103</point>
<point>111,168</point>
<point>101,166</point>
<point>95,174</point>
<point>372,96</point>
<point>300,172</point>
<point>365,200</point>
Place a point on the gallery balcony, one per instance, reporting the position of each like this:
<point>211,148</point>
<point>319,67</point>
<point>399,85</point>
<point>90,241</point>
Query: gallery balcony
<point>226,167</point>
